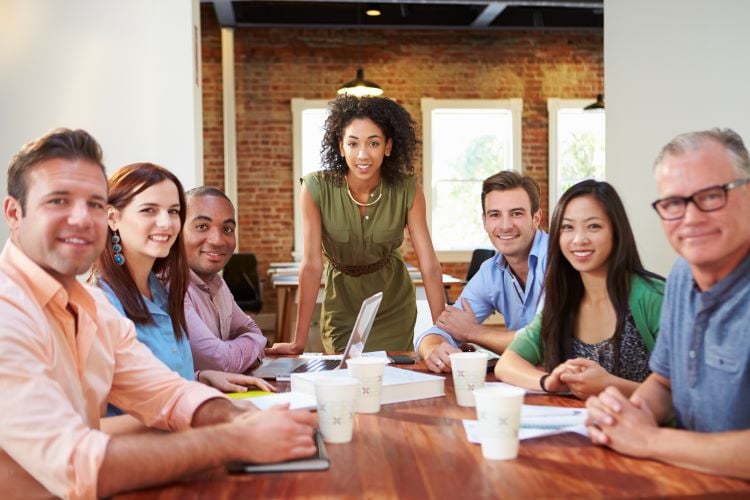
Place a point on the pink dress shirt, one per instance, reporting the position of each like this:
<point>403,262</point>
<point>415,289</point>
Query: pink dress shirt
<point>222,336</point>
<point>57,374</point>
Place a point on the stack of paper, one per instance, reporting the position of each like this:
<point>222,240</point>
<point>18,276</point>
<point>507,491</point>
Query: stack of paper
<point>265,400</point>
<point>399,385</point>
<point>538,421</point>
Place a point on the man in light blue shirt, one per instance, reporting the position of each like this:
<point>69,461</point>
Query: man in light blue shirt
<point>509,283</point>
<point>701,362</point>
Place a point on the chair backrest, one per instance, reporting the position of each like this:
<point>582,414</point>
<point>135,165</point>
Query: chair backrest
<point>241,275</point>
<point>477,258</point>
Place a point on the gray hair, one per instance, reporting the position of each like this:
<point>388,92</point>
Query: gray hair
<point>692,141</point>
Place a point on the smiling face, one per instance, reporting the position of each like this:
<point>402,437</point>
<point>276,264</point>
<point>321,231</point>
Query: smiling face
<point>713,243</point>
<point>364,146</point>
<point>509,222</point>
<point>586,235</point>
<point>64,225</point>
<point>149,224</point>
<point>209,234</point>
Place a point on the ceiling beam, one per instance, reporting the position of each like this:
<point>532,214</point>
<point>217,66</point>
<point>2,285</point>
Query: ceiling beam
<point>490,12</point>
<point>225,13</point>
<point>574,4</point>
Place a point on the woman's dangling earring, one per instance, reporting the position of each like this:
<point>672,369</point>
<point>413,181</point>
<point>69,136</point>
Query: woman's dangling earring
<point>117,249</point>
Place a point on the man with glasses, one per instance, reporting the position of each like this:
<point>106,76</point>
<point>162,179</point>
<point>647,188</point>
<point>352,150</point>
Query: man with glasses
<point>701,372</point>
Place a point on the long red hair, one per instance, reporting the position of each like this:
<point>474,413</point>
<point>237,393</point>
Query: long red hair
<point>124,185</point>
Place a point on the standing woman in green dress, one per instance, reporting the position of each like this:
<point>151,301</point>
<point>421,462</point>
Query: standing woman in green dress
<point>353,213</point>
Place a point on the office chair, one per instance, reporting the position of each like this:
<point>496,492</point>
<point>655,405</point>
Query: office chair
<point>241,275</point>
<point>477,258</point>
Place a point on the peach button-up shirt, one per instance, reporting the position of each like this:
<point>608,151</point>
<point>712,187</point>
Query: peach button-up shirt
<point>57,374</point>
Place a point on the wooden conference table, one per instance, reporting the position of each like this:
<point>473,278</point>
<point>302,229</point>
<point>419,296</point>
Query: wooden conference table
<point>286,283</point>
<point>419,450</point>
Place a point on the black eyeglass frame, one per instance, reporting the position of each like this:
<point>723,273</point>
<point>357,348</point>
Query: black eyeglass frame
<point>692,198</point>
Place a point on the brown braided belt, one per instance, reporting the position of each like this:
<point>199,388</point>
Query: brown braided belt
<point>359,270</point>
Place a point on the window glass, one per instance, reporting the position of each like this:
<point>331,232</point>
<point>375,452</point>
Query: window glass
<point>577,139</point>
<point>465,142</point>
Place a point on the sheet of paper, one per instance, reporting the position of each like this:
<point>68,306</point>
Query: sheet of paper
<point>538,421</point>
<point>247,394</point>
<point>551,417</point>
<point>471,427</point>
<point>296,400</point>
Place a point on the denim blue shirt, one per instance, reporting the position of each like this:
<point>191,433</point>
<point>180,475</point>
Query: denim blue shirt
<point>494,288</point>
<point>159,335</point>
<point>703,348</point>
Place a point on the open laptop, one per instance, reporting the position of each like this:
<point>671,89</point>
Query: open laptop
<point>282,368</point>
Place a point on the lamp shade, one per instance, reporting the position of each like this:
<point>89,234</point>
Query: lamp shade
<point>360,87</point>
<point>598,104</point>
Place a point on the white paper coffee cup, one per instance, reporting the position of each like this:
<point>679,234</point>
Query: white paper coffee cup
<point>499,415</point>
<point>469,371</point>
<point>369,372</point>
<point>336,401</point>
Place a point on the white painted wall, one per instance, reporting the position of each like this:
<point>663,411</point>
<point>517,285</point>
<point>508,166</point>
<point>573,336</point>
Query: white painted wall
<point>123,70</point>
<point>670,66</point>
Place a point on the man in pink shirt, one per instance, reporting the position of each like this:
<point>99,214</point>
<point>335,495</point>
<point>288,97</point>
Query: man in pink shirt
<point>222,336</point>
<point>65,351</point>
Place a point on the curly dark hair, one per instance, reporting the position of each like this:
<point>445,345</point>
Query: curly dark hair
<point>393,120</point>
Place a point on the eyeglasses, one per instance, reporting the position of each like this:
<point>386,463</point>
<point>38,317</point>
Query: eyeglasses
<point>706,200</point>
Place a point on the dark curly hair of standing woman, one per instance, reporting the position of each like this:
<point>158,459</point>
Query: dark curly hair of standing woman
<point>393,120</point>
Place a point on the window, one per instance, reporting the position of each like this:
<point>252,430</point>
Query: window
<point>464,142</point>
<point>576,145</point>
<point>308,120</point>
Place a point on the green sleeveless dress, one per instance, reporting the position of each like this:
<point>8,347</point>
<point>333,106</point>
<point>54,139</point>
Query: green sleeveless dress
<point>350,239</point>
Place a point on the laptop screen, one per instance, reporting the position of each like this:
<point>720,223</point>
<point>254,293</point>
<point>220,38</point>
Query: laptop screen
<point>362,327</point>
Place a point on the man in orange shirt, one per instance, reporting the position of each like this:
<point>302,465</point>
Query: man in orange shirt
<point>65,351</point>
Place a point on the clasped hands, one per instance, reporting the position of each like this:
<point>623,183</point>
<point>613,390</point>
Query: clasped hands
<point>582,377</point>
<point>625,425</point>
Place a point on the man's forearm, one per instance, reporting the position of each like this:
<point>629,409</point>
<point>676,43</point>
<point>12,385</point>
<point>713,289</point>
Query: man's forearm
<point>657,393</point>
<point>491,337</point>
<point>215,411</point>
<point>138,461</point>
<point>723,453</point>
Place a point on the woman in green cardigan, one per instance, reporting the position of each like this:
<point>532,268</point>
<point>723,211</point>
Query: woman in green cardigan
<point>601,309</point>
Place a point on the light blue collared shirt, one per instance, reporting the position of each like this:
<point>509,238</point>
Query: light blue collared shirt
<point>494,288</point>
<point>703,349</point>
<point>159,335</point>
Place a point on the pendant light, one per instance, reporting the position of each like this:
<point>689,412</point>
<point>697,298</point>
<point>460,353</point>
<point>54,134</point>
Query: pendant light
<point>598,104</point>
<point>373,10</point>
<point>359,87</point>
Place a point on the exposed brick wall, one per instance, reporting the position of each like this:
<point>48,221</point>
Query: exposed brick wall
<point>272,66</point>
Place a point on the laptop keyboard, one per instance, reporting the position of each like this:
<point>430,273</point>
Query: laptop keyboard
<point>317,365</point>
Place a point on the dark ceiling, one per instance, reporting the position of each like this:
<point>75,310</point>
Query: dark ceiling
<point>414,14</point>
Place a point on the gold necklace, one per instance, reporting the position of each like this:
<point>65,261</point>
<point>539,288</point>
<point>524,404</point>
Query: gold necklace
<point>349,192</point>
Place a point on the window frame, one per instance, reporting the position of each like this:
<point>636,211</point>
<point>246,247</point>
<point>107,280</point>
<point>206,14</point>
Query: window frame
<point>298,105</point>
<point>554,105</point>
<point>428,105</point>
